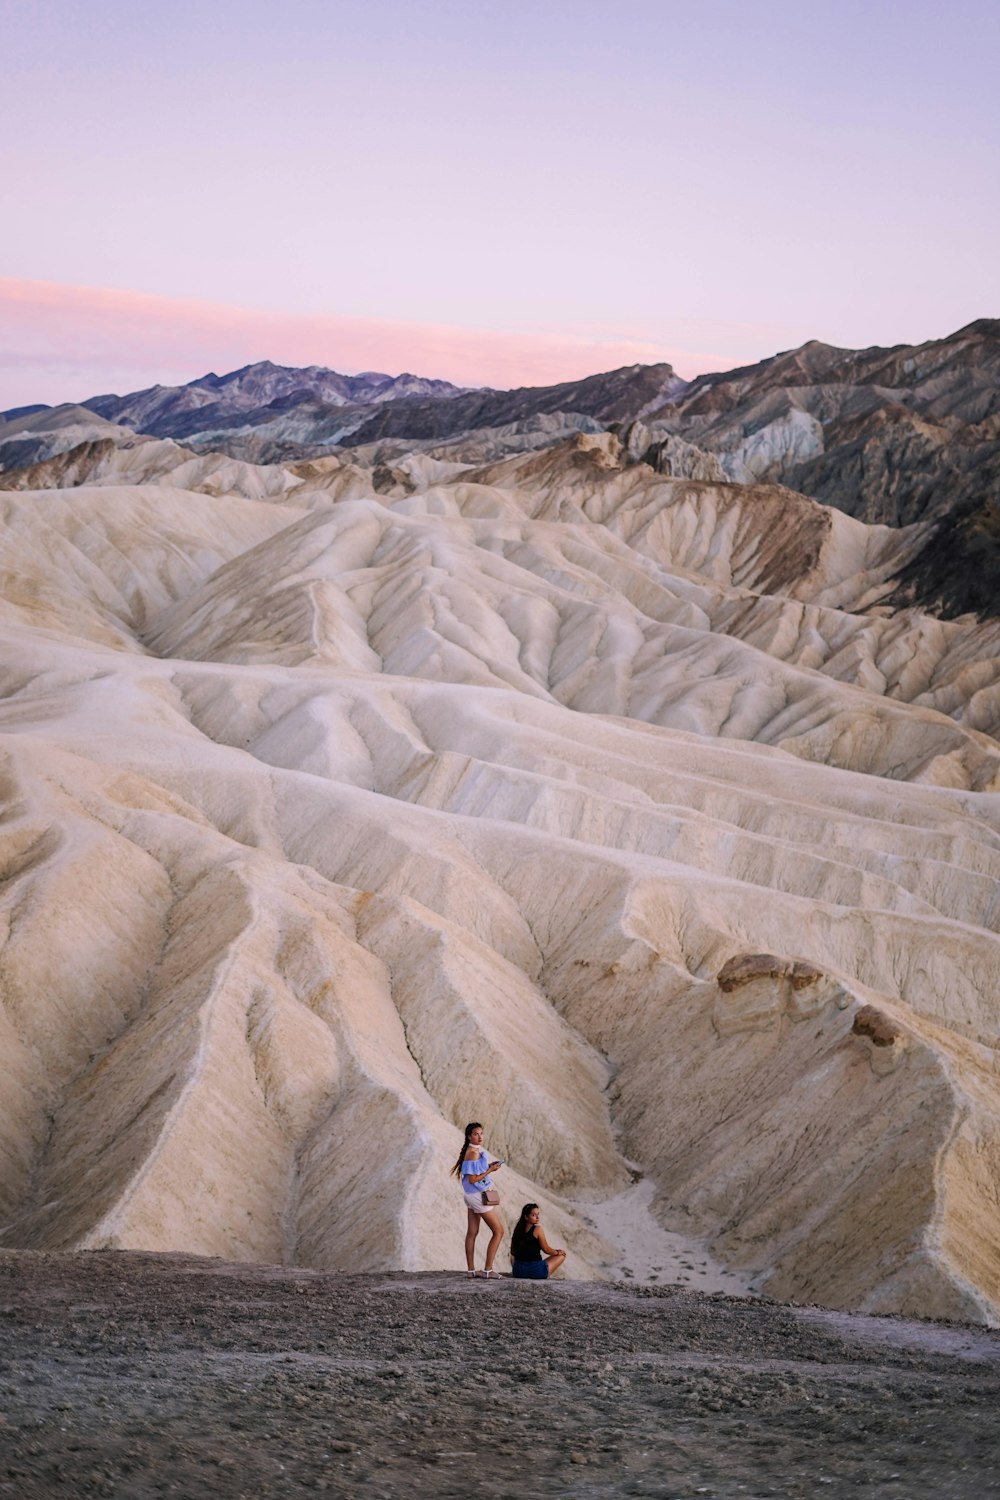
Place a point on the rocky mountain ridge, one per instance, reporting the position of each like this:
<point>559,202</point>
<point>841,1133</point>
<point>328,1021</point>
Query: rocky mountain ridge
<point>270,413</point>
<point>891,436</point>
<point>161,410</point>
<point>291,413</point>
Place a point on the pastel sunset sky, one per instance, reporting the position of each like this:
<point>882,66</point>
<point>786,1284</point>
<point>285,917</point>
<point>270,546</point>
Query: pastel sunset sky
<point>505,194</point>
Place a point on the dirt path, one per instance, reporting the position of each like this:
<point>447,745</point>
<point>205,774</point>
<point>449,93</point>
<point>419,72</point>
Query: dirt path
<point>131,1375</point>
<point>646,1252</point>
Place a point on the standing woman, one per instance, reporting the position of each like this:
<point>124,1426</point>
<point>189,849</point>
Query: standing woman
<point>533,1257</point>
<point>473,1170</point>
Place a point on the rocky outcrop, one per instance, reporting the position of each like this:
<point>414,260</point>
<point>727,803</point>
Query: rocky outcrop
<point>670,455</point>
<point>36,435</point>
<point>888,435</point>
<point>745,968</point>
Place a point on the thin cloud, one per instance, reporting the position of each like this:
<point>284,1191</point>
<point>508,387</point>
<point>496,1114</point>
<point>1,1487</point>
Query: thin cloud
<point>61,342</point>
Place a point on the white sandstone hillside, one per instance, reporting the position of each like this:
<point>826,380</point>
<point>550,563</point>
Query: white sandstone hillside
<point>609,808</point>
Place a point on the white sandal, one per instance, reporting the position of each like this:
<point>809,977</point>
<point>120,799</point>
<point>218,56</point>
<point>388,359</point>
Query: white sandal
<point>490,1275</point>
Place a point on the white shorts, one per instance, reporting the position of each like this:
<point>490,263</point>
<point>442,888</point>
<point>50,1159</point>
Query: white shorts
<point>477,1205</point>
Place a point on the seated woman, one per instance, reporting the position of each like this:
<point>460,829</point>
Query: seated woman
<point>533,1257</point>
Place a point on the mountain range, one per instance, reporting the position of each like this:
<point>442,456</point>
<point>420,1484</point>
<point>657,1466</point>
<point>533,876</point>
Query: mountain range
<point>891,436</point>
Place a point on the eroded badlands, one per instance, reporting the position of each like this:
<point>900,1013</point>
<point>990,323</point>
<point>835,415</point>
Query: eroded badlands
<point>610,808</point>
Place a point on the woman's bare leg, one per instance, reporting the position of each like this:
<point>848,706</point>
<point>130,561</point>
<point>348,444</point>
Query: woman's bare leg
<point>555,1261</point>
<point>472,1229</point>
<point>496,1235</point>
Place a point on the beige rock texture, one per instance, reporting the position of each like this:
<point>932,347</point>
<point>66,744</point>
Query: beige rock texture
<point>347,801</point>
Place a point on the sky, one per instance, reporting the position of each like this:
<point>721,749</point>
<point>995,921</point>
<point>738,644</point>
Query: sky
<point>498,194</point>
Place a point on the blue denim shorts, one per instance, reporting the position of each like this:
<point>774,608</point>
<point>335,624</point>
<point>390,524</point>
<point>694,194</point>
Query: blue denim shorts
<point>530,1270</point>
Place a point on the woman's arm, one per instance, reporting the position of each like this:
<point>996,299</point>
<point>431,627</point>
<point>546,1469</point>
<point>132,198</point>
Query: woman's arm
<point>546,1247</point>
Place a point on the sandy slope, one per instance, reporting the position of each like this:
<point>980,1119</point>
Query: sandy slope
<point>335,818</point>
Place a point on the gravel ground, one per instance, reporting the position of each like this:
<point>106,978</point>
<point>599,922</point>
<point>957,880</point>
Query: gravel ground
<point>132,1375</point>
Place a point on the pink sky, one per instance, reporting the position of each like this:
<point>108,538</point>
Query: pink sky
<point>502,194</point>
<point>66,343</point>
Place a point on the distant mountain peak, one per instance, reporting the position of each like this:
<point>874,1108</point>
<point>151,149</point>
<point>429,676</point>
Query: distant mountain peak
<point>984,328</point>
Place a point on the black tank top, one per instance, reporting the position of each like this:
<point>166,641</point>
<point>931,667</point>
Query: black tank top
<point>524,1245</point>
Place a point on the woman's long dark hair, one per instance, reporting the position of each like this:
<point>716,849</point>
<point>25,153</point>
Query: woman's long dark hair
<point>456,1170</point>
<point>522,1223</point>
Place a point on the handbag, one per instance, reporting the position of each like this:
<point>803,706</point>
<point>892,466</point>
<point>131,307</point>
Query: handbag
<point>491,1197</point>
